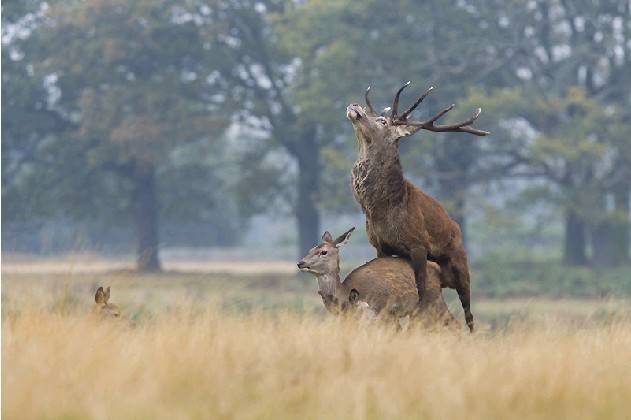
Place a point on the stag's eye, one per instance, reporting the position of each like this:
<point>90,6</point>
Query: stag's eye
<point>382,120</point>
<point>323,252</point>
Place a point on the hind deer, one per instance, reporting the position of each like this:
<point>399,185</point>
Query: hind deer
<point>102,307</point>
<point>401,219</point>
<point>383,287</point>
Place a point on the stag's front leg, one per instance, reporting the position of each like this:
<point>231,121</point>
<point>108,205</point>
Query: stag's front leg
<point>374,241</point>
<point>418,259</point>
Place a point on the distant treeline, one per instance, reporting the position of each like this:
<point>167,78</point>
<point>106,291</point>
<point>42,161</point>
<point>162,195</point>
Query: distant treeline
<point>133,114</point>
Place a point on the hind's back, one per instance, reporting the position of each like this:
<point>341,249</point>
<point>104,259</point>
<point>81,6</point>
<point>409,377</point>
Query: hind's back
<point>385,283</point>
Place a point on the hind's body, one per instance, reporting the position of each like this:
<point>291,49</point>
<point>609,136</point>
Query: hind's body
<point>388,286</point>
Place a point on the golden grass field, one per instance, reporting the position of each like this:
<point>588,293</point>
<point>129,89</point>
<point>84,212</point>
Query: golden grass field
<point>251,346</point>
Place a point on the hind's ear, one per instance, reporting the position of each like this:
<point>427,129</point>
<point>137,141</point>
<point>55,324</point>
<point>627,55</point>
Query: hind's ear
<point>353,297</point>
<point>343,238</point>
<point>99,297</point>
<point>327,237</point>
<point>107,294</point>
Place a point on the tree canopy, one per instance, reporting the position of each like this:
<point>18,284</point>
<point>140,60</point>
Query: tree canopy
<point>148,114</point>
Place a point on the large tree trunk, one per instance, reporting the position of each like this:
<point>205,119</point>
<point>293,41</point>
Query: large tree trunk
<point>145,209</point>
<point>602,252</point>
<point>621,236</point>
<point>610,237</point>
<point>307,215</point>
<point>575,241</point>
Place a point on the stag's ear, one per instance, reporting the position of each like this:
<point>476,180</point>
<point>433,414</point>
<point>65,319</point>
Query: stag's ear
<point>327,237</point>
<point>401,131</point>
<point>99,297</point>
<point>107,294</point>
<point>344,237</point>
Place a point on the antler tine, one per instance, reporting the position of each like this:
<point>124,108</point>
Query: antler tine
<point>464,126</point>
<point>368,104</point>
<point>405,115</point>
<point>440,114</point>
<point>395,103</point>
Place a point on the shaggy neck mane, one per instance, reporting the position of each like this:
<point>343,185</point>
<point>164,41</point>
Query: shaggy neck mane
<point>378,180</point>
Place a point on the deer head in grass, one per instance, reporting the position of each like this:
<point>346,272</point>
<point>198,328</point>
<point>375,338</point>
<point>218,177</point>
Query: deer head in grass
<point>102,307</point>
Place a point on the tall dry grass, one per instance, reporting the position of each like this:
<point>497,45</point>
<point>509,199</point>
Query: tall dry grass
<point>190,364</point>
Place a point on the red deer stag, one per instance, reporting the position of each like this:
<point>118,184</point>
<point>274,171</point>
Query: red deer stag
<point>400,218</point>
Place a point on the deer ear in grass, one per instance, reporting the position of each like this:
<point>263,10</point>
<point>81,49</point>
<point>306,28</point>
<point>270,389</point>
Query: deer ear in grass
<point>99,297</point>
<point>107,294</point>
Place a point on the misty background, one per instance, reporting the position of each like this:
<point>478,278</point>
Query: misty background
<point>216,129</point>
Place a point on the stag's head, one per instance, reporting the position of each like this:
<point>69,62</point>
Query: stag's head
<point>324,258</point>
<point>378,131</point>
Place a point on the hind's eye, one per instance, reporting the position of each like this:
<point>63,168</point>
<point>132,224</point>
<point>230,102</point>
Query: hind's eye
<point>323,252</point>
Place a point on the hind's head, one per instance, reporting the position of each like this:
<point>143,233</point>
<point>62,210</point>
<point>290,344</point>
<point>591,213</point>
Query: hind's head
<point>324,258</point>
<point>102,306</point>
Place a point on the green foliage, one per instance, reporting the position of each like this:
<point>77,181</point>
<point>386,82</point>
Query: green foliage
<point>134,73</point>
<point>497,276</point>
<point>96,89</point>
<point>99,88</point>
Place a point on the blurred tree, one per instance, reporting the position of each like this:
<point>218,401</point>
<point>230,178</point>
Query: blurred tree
<point>28,125</point>
<point>258,75</point>
<point>551,47</point>
<point>124,93</point>
<point>129,82</point>
<point>546,47</point>
<point>575,146</point>
<point>345,46</point>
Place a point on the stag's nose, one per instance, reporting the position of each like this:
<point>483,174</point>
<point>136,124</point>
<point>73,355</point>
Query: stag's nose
<point>353,112</point>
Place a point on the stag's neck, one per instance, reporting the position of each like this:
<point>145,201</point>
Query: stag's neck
<point>378,180</point>
<point>331,289</point>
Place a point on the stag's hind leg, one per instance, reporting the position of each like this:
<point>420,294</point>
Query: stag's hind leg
<point>458,266</point>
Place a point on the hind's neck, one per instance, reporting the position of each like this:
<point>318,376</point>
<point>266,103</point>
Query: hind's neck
<point>331,289</point>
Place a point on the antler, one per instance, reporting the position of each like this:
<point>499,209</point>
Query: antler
<point>368,104</point>
<point>405,115</point>
<point>395,103</point>
<point>464,126</point>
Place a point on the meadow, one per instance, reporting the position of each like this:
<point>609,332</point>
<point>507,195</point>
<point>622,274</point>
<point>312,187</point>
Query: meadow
<point>254,342</point>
